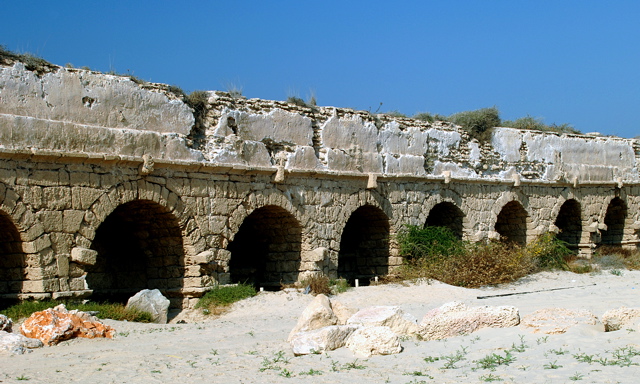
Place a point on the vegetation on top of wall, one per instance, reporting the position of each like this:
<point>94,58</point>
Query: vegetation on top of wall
<point>435,253</point>
<point>529,122</point>
<point>477,123</point>
<point>31,62</point>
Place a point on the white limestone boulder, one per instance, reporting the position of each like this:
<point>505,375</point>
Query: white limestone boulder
<point>342,312</point>
<point>390,316</point>
<point>152,301</point>
<point>456,319</point>
<point>378,340</point>
<point>318,314</point>
<point>553,321</point>
<point>619,318</point>
<point>17,344</point>
<point>320,340</point>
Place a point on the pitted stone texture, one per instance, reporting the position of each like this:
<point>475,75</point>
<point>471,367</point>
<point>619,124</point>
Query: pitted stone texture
<point>379,340</point>
<point>17,344</point>
<point>320,340</point>
<point>54,325</point>
<point>84,256</point>
<point>89,98</point>
<point>5,323</point>
<point>152,301</point>
<point>558,320</point>
<point>393,317</point>
<point>456,319</point>
<point>318,314</point>
<point>616,319</point>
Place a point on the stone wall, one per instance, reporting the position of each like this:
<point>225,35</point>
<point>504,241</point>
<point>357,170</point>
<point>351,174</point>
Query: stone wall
<point>265,191</point>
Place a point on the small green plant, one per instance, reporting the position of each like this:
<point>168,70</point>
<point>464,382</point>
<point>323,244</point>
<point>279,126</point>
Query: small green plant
<point>616,272</point>
<point>335,367</point>
<point>286,373</point>
<point>576,377</point>
<point>431,359</point>
<point>310,372</point>
<point>559,351</point>
<point>552,365</point>
<point>354,365</point>
<point>490,377</point>
<point>520,347</point>
<point>494,360</point>
<point>23,377</point>
<point>453,359</point>
<point>549,252</point>
<point>584,358</point>
<point>296,101</point>
<point>542,340</point>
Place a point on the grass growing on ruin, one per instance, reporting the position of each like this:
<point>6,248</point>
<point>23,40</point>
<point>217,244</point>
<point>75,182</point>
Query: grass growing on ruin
<point>216,300</point>
<point>113,311</point>
<point>436,253</point>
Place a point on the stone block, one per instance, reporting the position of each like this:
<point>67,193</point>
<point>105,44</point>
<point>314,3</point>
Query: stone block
<point>84,256</point>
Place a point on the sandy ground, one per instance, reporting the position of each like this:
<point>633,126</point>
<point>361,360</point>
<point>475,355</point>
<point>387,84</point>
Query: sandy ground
<point>248,344</point>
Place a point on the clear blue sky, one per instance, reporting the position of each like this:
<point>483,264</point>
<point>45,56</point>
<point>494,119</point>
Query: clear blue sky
<point>571,61</point>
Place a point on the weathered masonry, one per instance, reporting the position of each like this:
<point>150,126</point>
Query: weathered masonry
<point>108,187</point>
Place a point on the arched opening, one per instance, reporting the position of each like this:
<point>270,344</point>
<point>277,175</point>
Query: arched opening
<point>446,215</point>
<point>569,221</point>
<point>614,220</point>
<point>139,247</point>
<point>266,250</point>
<point>364,245</point>
<point>12,257</point>
<point>512,224</point>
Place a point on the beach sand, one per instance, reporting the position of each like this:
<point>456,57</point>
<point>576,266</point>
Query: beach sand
<point>248,343</point>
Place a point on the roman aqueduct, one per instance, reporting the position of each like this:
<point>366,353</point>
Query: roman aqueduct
<point>108,186</point>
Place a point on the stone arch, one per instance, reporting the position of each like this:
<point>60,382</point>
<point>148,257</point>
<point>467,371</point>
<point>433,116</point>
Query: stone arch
<point>446,214</point>
<point>364,244</point>
<point>569,221</point>
<point>131,191</point>
<point>266,249</point>
<point>139,246</point>
<point>511,223</point>
<point>614,219</point>
<point>12,257</point>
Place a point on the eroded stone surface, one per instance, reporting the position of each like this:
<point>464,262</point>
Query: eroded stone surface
<point>318,314</point>
<point>456,319</point>
<point>152,301</point>
<point>393,317</point>
<point>17,344</point>
<point>619,318</point>
<point>558,320</point>
<point>322,339</point>
<point>377,340</point>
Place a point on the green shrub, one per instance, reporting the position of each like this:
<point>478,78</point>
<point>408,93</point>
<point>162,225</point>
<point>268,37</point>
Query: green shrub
<point>197,100</point>
<point>219,297</point>
<point>429,242</point>
<point>395,113</point>
<point>339,285</point>
<point>429,117</point>
<point>478,123</point>
<point>113,311</point>
<point>549,252</point>
<point>296,101</point>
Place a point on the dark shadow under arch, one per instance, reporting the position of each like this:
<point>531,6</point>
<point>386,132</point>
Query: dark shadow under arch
<point>512,224</point>
<point>139,247</point>
<point>446,215</point>
<point>12,257</point>
<point>266,250</point>
<point>614,220</point>
<point>364,245</point>
<point>569,221</point>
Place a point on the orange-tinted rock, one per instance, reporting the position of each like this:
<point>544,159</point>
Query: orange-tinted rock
<point>54,325</point>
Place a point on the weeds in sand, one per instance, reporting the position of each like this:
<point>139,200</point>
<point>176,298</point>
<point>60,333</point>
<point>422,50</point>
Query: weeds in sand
<point>310,372</point>
<point>490,377</point>
<point>494,360</point>
<point>354,365</point>
<point>576,377</point>
<point>286,373</point>
<point>213,352</point>
<point>23,377</point>
<point>156,371</point>
<point>251,352</point>
<point>415,381</point>
<point>123,334</point>
<point>542,340</point>
<point>191,363</point>
<point>630,330</point>
<point>272,364</point>
<point>318,284</point>
<point>251,333</point>
<point>519,347</point>
<point>339,285</point>
<point>559,351</point>
<point>431,359</point>
<point>453,359</point>
<point>616,272</point>
<point>216,300</point>
<point>334,366</point>
<point>213,362</point>
<point>417,373</point>
<point>622,357</point>
<point>552,365</point>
